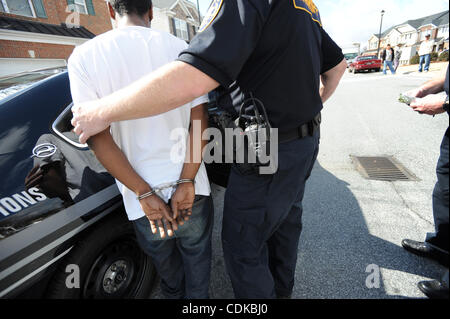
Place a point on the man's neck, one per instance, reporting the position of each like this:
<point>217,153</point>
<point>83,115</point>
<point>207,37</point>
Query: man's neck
<point>133,21</point>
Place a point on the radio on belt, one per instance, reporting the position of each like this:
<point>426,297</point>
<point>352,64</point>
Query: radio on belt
<point>253,121</point>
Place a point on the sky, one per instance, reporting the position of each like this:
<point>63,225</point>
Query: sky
<point>350,21</point>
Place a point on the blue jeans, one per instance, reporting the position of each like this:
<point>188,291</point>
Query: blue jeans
<point>184,261</point>
<point>390,65</point>
<point>425,58</point>
<point>262,223</point>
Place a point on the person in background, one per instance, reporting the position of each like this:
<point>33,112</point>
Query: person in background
<point>388,59</point>
<point>425,53</point>
<point>139,153</point>
<point>436,246</point>
<point>398,55</point>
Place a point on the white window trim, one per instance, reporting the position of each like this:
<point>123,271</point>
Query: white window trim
<point>186,26</point>
<point>81,4</point>
<point>5,6</point>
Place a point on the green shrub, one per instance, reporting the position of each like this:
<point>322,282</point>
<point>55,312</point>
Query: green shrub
<point>443,56</point>
<point>415,59</point>
<point>434,56</point>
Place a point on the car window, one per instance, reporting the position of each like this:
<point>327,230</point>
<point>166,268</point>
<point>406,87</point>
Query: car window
<point>14,84</point>
<point>42,169</point>
<point>368,57</point>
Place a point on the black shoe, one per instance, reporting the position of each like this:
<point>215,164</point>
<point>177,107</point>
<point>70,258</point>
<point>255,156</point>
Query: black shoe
<point>424,249</point>
<point>434,289</point>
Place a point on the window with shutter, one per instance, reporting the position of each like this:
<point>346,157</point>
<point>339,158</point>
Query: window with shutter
<point>39,9</point>
<point>70,4</point>
<point>174,28</point>
<point>181,28</point>
<point>81,6</point>
<point>19,7</point>
<point>90,7</point>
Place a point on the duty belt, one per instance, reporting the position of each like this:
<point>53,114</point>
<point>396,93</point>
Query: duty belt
<point>307,129</point>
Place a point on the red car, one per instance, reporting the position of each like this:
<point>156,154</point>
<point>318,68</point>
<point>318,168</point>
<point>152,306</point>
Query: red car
<point>365,62</point>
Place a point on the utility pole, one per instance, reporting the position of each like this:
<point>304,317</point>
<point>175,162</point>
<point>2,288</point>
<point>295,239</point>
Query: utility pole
<point>198,12</point>
<point>379,33</point>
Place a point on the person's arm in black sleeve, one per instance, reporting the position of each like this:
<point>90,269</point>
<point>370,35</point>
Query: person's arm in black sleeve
<point>333,66</point>
<point>180,82</point>
<point>223,47</point>
<point>331,53</point>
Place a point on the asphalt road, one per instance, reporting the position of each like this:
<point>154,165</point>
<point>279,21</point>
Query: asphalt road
<point>351,222</point>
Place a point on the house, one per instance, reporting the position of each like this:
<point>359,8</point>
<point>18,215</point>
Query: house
<point>178,17</point>
<point>411,33</point>
<point>37,34</point>
<point>372,45</point>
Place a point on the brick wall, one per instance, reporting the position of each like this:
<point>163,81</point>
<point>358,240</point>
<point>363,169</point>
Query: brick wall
<point>56,13</point>
<point>19,49</point>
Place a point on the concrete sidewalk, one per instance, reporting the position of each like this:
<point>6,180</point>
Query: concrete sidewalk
<point>435,69</point>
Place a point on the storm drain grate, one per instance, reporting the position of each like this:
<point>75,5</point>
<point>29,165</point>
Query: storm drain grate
<point>382,168</point>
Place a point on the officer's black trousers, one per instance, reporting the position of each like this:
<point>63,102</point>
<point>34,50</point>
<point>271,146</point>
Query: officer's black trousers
<point>441,199</point>
<point>262,223</point>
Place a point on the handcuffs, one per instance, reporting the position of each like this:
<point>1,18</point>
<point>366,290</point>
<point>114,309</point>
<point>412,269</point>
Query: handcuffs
<point>164,186</point>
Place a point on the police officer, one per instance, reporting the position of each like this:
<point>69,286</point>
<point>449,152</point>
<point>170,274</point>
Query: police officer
<point>436,246</point>
<point>277,51</point>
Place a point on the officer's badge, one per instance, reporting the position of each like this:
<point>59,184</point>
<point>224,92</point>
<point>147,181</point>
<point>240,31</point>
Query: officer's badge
<point>310,7</point>
<point>213,10</point>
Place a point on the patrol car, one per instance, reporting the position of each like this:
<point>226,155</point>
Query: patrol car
<point>63,228</point>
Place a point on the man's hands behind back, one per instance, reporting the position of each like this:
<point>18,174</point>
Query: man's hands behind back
<point>183,200</point>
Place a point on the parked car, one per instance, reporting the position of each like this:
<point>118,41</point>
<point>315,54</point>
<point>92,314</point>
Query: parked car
<point>349,57</point>
<point>61,214</point>
<point>365,63</point>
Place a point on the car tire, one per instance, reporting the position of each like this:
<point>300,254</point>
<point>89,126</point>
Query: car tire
<point>110,262</point>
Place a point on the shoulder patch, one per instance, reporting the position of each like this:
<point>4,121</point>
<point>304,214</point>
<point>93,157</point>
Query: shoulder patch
<point>212,13</point>
<point>310,7</point>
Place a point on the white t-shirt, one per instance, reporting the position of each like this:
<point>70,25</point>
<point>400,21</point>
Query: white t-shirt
<point>114,60</point>
<point>426,47</point>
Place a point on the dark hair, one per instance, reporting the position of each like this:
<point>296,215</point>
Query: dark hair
<point>138,7</point>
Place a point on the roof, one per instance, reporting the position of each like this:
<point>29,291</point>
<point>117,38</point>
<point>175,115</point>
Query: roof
<point>437,19</point>
<point>386,32</point>
<point>45,28</point>
<point>163,3</point>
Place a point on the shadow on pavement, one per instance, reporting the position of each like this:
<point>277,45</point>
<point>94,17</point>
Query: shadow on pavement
<point>336,246</point>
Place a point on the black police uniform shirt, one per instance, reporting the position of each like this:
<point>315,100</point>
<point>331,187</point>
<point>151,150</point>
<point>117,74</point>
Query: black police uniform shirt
<point>276,49</point>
